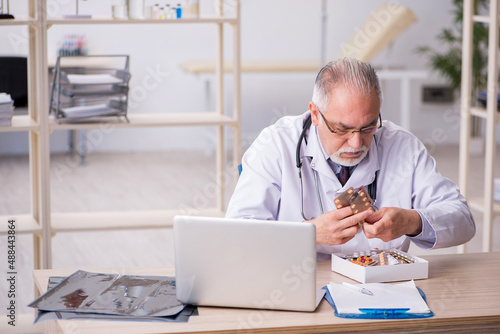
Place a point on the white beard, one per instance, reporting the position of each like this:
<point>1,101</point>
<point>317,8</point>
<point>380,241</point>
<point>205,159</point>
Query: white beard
<point>349,162</point>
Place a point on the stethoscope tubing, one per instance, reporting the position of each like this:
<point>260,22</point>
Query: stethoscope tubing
<point>371,188</point>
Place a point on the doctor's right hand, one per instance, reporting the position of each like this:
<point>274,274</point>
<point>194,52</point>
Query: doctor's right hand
<point>337,227</point>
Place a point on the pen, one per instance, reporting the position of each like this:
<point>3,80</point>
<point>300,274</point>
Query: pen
<point>357,288</point>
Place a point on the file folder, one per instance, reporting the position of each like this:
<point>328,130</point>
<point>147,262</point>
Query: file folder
<point>378,313</point>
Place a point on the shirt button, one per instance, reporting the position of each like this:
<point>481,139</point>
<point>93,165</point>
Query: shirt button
<point>313,165</point>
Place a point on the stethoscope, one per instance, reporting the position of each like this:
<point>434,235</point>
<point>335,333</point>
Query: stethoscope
<point>371,188</point>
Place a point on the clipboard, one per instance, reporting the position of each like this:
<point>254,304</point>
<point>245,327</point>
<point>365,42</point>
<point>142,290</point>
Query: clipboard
<point>372,313</point>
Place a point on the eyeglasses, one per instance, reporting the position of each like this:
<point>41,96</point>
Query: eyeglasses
<point>364,132</point>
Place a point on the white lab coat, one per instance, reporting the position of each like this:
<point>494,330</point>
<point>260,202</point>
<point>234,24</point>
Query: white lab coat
<point>269,185</point>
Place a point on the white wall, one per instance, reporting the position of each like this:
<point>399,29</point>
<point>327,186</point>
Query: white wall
<point>276,29</point>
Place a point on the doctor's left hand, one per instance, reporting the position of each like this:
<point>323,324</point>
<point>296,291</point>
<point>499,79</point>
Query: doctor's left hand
<point>391,223</point>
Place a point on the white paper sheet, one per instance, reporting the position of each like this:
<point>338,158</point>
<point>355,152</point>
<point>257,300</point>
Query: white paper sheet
<point>5,98</point>
<point>89,111</point>
<point>385,296</point>
<point>93,79</point>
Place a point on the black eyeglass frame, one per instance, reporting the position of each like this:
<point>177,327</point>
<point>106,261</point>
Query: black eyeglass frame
<point>351,132</point>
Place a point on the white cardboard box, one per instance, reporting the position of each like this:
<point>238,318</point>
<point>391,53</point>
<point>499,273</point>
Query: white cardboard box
<point>375,274</point>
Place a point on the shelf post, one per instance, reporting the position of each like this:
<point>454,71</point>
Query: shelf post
<point>219,107</point>
<point>236,90</point>
<point>465,102</point>
<point>33,136</point>
<point>491,109</point>
<point>42,138</point>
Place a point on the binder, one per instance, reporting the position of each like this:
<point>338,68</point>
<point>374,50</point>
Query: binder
<point>379,313</point>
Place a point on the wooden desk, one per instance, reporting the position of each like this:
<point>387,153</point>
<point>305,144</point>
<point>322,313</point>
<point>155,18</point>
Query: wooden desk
<point>462,291</point>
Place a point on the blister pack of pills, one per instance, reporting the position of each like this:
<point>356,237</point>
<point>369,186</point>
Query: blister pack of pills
<point>358,199</point>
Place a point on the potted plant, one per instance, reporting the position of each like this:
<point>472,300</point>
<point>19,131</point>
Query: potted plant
<point>449,62</point>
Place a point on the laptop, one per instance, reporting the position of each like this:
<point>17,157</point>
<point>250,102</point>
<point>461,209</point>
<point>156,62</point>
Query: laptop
<point>245,263</point>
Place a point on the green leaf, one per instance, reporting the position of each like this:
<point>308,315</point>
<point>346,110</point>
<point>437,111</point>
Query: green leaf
<point>449,63</point>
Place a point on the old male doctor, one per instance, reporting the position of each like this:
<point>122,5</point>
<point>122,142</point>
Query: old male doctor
<point>345,144</point>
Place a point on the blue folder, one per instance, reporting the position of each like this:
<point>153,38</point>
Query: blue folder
<point>401,313</point>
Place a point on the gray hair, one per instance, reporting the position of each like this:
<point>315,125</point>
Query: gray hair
<point>350,73</point>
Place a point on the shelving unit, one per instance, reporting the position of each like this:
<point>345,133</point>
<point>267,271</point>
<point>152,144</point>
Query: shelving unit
<point>97,20</point>
<point>486,205</point>
<point>36,125</point>
<point>43,223</point>
<point>154,120</point>
<point>22,21</point>
<point>20,123</point>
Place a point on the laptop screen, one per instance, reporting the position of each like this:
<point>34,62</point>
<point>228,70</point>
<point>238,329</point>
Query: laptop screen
<point>245,263</point>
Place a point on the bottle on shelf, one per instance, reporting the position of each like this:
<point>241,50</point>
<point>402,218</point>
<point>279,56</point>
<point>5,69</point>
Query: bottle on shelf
<point>178,11</point>
<point>186,8</point>
<point>136,9</point>
<point>171,12</point>
<point>119,11</point>
<point>155,15</point>
<point>194,9</point>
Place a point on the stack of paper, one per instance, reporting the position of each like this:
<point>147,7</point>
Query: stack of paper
<point>93,79</point>
<point>496,190</point>
<point>385,301</point>
<point>88,111</point>
<point>6,109</point>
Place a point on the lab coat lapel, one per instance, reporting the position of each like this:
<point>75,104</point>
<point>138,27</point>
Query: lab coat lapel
<point>364,173</point>
<point>313,150</point>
